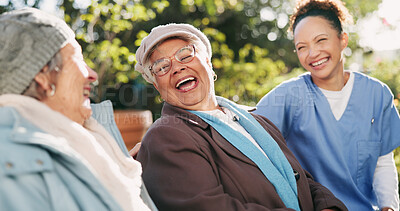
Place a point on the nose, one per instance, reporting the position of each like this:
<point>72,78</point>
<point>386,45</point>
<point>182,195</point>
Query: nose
<point>92,76</point>
<point>177,66</point>
<point>313,52</point>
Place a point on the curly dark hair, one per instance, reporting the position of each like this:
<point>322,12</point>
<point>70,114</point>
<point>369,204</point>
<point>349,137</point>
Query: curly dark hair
<point>333,11</point>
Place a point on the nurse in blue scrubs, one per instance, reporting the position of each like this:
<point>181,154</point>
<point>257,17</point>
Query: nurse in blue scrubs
<point>341,125</point>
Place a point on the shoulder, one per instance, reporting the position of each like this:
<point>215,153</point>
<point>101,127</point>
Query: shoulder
<point>177,130</point>
<point>173,135</point>
<point>368,80</point>
<point>178,118</point>
<point>20,162</point>
<point>8,116</point>
<point>176,122</point>
<point>14,126</point>
<point>22,167</point>
<point>373,85</point>
<point>295,91</point>
<point>270,127</point>
<point>16,150</point>
<point>11,122</point>
<point>291,88</point>
<point>17,143</point>
<point>299,81</point>
<point>20,158</point>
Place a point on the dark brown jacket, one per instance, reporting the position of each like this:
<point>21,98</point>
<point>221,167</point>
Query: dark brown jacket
<point>188,165</point>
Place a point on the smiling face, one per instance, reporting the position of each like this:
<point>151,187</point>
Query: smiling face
<point>186,85</point>
<point>319,49</point>
<point>72,84</point>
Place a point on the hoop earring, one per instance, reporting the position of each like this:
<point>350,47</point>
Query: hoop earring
<point>215,77</point>
<point>53,90</point>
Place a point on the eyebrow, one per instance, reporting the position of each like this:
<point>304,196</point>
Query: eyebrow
<point>315,38</point>
<point>164,56</point>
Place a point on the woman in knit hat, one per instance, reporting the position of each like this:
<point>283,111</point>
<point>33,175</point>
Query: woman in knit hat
<point>341,125</point>
<point>53,155</point>
<point>206,152</point>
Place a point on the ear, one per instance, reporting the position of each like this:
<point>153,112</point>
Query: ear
<point>344,40</point>
<point>43,79</point>
<point>208,62</point>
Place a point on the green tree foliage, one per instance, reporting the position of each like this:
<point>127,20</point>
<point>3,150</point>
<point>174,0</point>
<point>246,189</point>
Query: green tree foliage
<point>387,71</point>
<point>108,31</point>
<point>251,50</point>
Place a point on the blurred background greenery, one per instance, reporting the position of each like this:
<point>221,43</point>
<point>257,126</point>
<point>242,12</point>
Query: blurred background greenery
<point>252,52</point>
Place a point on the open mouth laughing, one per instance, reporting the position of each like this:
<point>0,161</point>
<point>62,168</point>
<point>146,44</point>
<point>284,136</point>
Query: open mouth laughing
<point>320,62</point>
<point>186,84</point>
<point>86,92</point>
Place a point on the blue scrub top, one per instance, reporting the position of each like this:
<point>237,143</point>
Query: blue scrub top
<point>341,154</point>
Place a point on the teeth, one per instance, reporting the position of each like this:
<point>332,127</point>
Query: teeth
<point>319,62</point>
<point>86,92</point>
<point>183,81</point>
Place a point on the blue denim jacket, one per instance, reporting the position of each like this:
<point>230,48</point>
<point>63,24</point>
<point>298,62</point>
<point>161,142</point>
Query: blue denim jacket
<point>34,176</point>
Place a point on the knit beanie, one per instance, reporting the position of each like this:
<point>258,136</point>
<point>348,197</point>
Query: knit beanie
<point>161,33</point>
<point>29,38</point>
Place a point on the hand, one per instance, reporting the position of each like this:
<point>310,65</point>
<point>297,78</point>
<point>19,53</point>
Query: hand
<point>387,209</point>
<point>134,151</point>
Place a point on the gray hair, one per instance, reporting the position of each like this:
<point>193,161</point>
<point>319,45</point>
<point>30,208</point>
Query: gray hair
<point>55,64</point>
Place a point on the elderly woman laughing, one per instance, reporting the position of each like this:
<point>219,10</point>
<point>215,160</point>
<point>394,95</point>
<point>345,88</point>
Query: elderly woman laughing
<point>53,154</point>
<point>206,152</point>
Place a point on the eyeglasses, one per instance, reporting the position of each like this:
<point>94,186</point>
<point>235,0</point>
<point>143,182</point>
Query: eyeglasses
<point>183,56</point>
